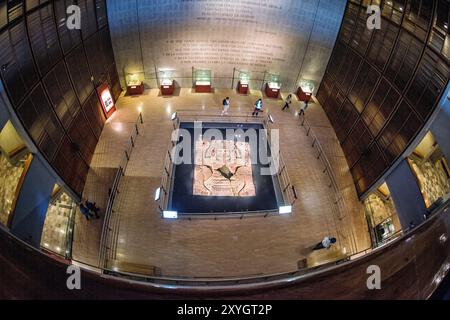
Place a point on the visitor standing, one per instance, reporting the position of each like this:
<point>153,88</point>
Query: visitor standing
<point>258,107</point>
<point>287,102</point>
<point>85,211</point>
<point>326,243</point>
<point>93,208</point>
<point>226,105</point>
<point>303,109</point>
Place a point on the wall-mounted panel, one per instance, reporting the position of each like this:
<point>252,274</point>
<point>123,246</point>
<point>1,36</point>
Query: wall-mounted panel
<point>17,66</point>
<point>44,38</point>
<point>80,73</point>
<point>61,94</point>
<point>391,84</point>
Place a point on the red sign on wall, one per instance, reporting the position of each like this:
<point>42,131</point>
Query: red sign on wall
<point>106,98</point>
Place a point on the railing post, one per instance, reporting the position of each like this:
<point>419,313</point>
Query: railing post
<point>127,155</point>
<point>137,129</point>
<point>140,118</point>
<point>132,141</point>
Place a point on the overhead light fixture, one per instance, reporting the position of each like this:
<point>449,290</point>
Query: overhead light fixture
<point>170,215</point>
<point>174,116</point>
<point>285,210</point>
<point>158,194</point>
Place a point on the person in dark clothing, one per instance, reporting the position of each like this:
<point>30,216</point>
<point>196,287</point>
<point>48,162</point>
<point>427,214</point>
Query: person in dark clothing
<point>287,102</point>
<point>85,212</point>
<point>93,208</point>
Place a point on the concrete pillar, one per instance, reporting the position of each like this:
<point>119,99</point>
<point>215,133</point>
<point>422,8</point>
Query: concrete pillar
<point>441,129</point>
<point>32,203</point>
<point>405,192</point>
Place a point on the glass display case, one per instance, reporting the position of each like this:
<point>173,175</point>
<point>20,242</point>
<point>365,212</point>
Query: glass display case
<point>202,80</point>
<point>305,90</point>
<point>430,167</point>
<point>244,82</point>
<point>382,216</point>
<point>166,82</point>
<point>57,234</point>
<point>135,83</point>
<point>273,85</point>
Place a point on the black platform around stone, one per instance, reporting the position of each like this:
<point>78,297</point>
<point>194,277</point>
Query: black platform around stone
<point>268,194</point>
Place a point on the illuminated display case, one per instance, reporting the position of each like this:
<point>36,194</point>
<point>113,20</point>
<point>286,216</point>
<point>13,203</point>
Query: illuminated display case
<point>305,90</point>
<point>135,83</point>
<point>167,84</point>
<point>243,86</point>
<point>202,81</point>
<point>273,86</point>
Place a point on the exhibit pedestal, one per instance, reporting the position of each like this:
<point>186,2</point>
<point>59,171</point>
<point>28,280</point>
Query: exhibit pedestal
<point>272,91</point>
<point>135,88</point>
<point>167,88</point>
<point>303,96</point>
<point>243,87</point>
<point>203,87</point>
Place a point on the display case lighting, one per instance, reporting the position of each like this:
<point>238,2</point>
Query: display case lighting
<point>158,194</point>
<point>170,215</point>
<point>285,210</point>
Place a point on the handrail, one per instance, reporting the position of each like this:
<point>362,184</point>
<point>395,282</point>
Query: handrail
<point>114,190</point>
<point>171,282</point>
<point>338,201</point>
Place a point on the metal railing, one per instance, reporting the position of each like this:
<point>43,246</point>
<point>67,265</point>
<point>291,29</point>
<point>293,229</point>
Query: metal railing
<point>337,200</point>
<point>185,116</point>
<point>110,229</point>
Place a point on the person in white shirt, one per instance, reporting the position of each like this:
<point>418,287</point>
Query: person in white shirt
<point>326,243</point>
<point>303,109</point>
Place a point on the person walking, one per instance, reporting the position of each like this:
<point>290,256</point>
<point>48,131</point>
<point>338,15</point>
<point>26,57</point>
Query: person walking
<point>85,212</point>
<point>303,109</point>
<point>226,105</point>
<point>287,102</point>
<point>93,208</point>
<point>326,243</point>
<point>258,108</point>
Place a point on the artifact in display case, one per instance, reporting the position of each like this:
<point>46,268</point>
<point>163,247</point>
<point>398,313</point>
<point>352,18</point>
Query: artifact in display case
<point>243,85</point>
<point>202,80</point>
<point>273,86</point>
<point>305,90</point>
<point>167,85</point>
<point>135,84</point>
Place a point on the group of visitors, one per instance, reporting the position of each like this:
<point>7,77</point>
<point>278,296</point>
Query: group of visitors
<point>89,210</point>
<point>258,107</point>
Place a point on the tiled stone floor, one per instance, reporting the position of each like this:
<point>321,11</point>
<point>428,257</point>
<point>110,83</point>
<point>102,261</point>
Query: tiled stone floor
<point>208,248</point>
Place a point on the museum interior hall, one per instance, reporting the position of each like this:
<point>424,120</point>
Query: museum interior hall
<point>267,149</point>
